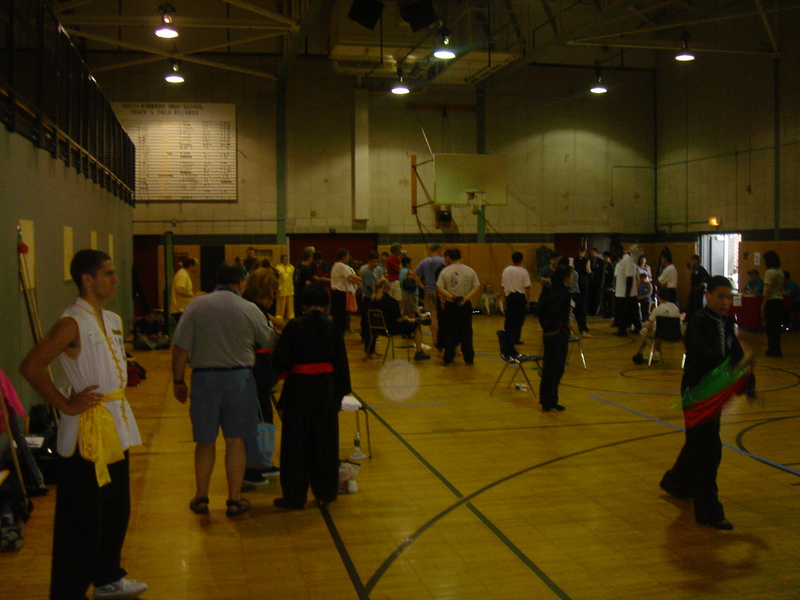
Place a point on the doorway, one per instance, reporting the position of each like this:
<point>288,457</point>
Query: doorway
<point>719,254</point>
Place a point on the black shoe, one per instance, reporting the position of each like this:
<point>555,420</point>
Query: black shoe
<point>638,358</point>
<point>519,343</point>
<point>556,408</point>
<point>621,333</point>
<point>254,477</point>
<point>722,524</point>
<point>421,356</point>
<point>282,503</point>
<point>270,472</point>
<point>560,408</point>
<point>774,354</point>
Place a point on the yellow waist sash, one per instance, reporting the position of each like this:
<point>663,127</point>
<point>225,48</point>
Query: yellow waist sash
<point>98,439</point>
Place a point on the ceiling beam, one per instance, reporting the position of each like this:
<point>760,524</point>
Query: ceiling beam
<point>313,10</point>
<point>666,45</point>
<point>686,24</point>
<point>262,11</point>
<point>65,6</point>
<point>767,26</point>
<point>181,55</point>
<point>559,42</point>
<point>182,22</point>
<point>167,55</point>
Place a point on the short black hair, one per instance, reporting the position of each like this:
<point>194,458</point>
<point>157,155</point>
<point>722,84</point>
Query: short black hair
<point>305,255</point>
<point>517,257</point>
<point>341,253</point>
<point>695,257</point>
<point>406,260</point>
<point>718,281</point>
<point>188,262</point>
<point>772,260</point>
<point>453,253</point>
<point>561,273</point>
<point>317,256</point>
<point>86,262</point>
<point>668,294</point>
<point>555,254</point>
<point>315,295</point>
<point>372,255</point>
<point>229,274</point>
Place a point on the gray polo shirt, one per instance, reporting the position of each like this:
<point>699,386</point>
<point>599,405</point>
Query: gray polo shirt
<point>221,329</point>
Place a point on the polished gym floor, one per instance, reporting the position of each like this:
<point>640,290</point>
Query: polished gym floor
<point>471,495</point>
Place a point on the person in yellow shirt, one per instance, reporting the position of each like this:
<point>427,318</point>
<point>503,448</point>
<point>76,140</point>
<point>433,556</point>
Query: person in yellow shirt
<point>285,304</point>
<point>182,292</point>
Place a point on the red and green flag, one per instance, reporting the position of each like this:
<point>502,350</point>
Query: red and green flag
<point>706,400</point>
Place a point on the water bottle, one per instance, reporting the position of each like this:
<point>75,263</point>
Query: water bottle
<point>521,387</point>
<point>357,442</point>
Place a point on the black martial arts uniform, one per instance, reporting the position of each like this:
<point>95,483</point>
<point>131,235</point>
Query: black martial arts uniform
<point>311,351</point>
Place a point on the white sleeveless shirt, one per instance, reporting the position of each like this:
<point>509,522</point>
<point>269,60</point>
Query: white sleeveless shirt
<point>101,362</point>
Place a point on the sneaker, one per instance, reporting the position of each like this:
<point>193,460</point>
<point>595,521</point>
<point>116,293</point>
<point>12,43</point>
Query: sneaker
<point>270,472</point>
<point>124,588</point>
<point>421,356</point>
<point>254,477</point>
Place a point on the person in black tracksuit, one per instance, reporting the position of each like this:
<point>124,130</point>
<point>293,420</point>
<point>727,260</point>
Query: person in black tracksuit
<point>311,351</point>
<point>554,317</point>
<point>710,339</point>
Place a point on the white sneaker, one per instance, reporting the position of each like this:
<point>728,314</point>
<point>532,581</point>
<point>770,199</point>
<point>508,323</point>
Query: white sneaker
<point>122,589</point>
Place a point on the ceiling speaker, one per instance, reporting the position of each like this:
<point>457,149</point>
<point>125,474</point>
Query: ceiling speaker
<point>444,216</point>
<point>419,14</point>
<point>366,12</point>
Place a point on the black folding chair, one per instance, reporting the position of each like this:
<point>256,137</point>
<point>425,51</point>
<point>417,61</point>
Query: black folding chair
<point>377,327</point>
<point>510,356</point>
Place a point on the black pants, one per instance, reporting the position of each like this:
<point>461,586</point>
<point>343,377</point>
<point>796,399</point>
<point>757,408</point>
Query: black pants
<point>366,334</point>
<point>695,300</point>
<point>695,471</point>
<point>339,309</point>
<point>310,446</point>
<point>627,313</point>
<point>553,364</point>
<point>772,325</point>
<point>579,311</point>
<point>90,527</point>
<point>458,330</point>
<point>516,308</point>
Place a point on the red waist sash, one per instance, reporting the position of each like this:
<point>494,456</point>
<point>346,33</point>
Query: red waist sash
<point>312,369</point>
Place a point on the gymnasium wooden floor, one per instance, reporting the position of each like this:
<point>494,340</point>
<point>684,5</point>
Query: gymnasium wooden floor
<point>476,496</point>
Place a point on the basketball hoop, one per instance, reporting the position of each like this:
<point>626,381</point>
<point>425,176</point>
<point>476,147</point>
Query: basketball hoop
<point>476,199</point>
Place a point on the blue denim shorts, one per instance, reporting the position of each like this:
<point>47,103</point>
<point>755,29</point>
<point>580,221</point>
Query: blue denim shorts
<point>224,399</point>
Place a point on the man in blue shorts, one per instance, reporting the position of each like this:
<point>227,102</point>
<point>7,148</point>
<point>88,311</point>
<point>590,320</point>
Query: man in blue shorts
<point>219,332</point>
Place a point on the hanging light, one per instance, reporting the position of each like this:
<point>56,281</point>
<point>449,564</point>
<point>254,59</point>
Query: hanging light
<point>684,54</point>
<point>400,87</point>
<point>173,76</point>
<point>598,88</point>
<point>166,30</point>
<point>443,49</point>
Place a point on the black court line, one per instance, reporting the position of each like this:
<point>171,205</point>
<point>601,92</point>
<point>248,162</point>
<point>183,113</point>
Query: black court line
<point>741,446</point>
<point>465,500</point>
<point>362,592</point>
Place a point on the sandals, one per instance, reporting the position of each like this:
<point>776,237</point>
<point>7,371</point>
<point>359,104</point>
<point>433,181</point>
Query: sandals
<point>199,505</point>
<point>237,507</point>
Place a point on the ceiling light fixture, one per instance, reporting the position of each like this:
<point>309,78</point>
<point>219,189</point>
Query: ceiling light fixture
<point>174,76</point>
<point>442,49</point>
<point>598,88</point>
<point>684,55</point>
<point>166,30</point>
<point>400,88</point>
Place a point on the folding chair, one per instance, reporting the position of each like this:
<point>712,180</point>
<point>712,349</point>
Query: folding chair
<point>668,329</point>
<point>510,356</point>
<point>573,339</point>
<point>377,327</point>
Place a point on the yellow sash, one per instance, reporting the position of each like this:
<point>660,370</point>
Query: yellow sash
<point>98,439</point>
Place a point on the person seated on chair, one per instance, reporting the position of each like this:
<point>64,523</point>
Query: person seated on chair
<point>396,324</point>
<point>492,303</point>
<point>755,286</point>
<point>666,308</point>
<point>148,333</point>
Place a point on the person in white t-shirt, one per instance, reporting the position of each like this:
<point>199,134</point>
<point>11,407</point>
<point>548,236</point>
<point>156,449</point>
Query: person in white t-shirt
<point>666,308</point>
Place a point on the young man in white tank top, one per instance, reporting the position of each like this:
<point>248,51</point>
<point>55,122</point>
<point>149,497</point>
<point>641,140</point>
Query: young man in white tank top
<point>96,429</point>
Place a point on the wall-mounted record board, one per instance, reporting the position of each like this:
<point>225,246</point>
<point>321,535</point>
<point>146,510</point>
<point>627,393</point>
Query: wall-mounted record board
<point>185,152</point>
